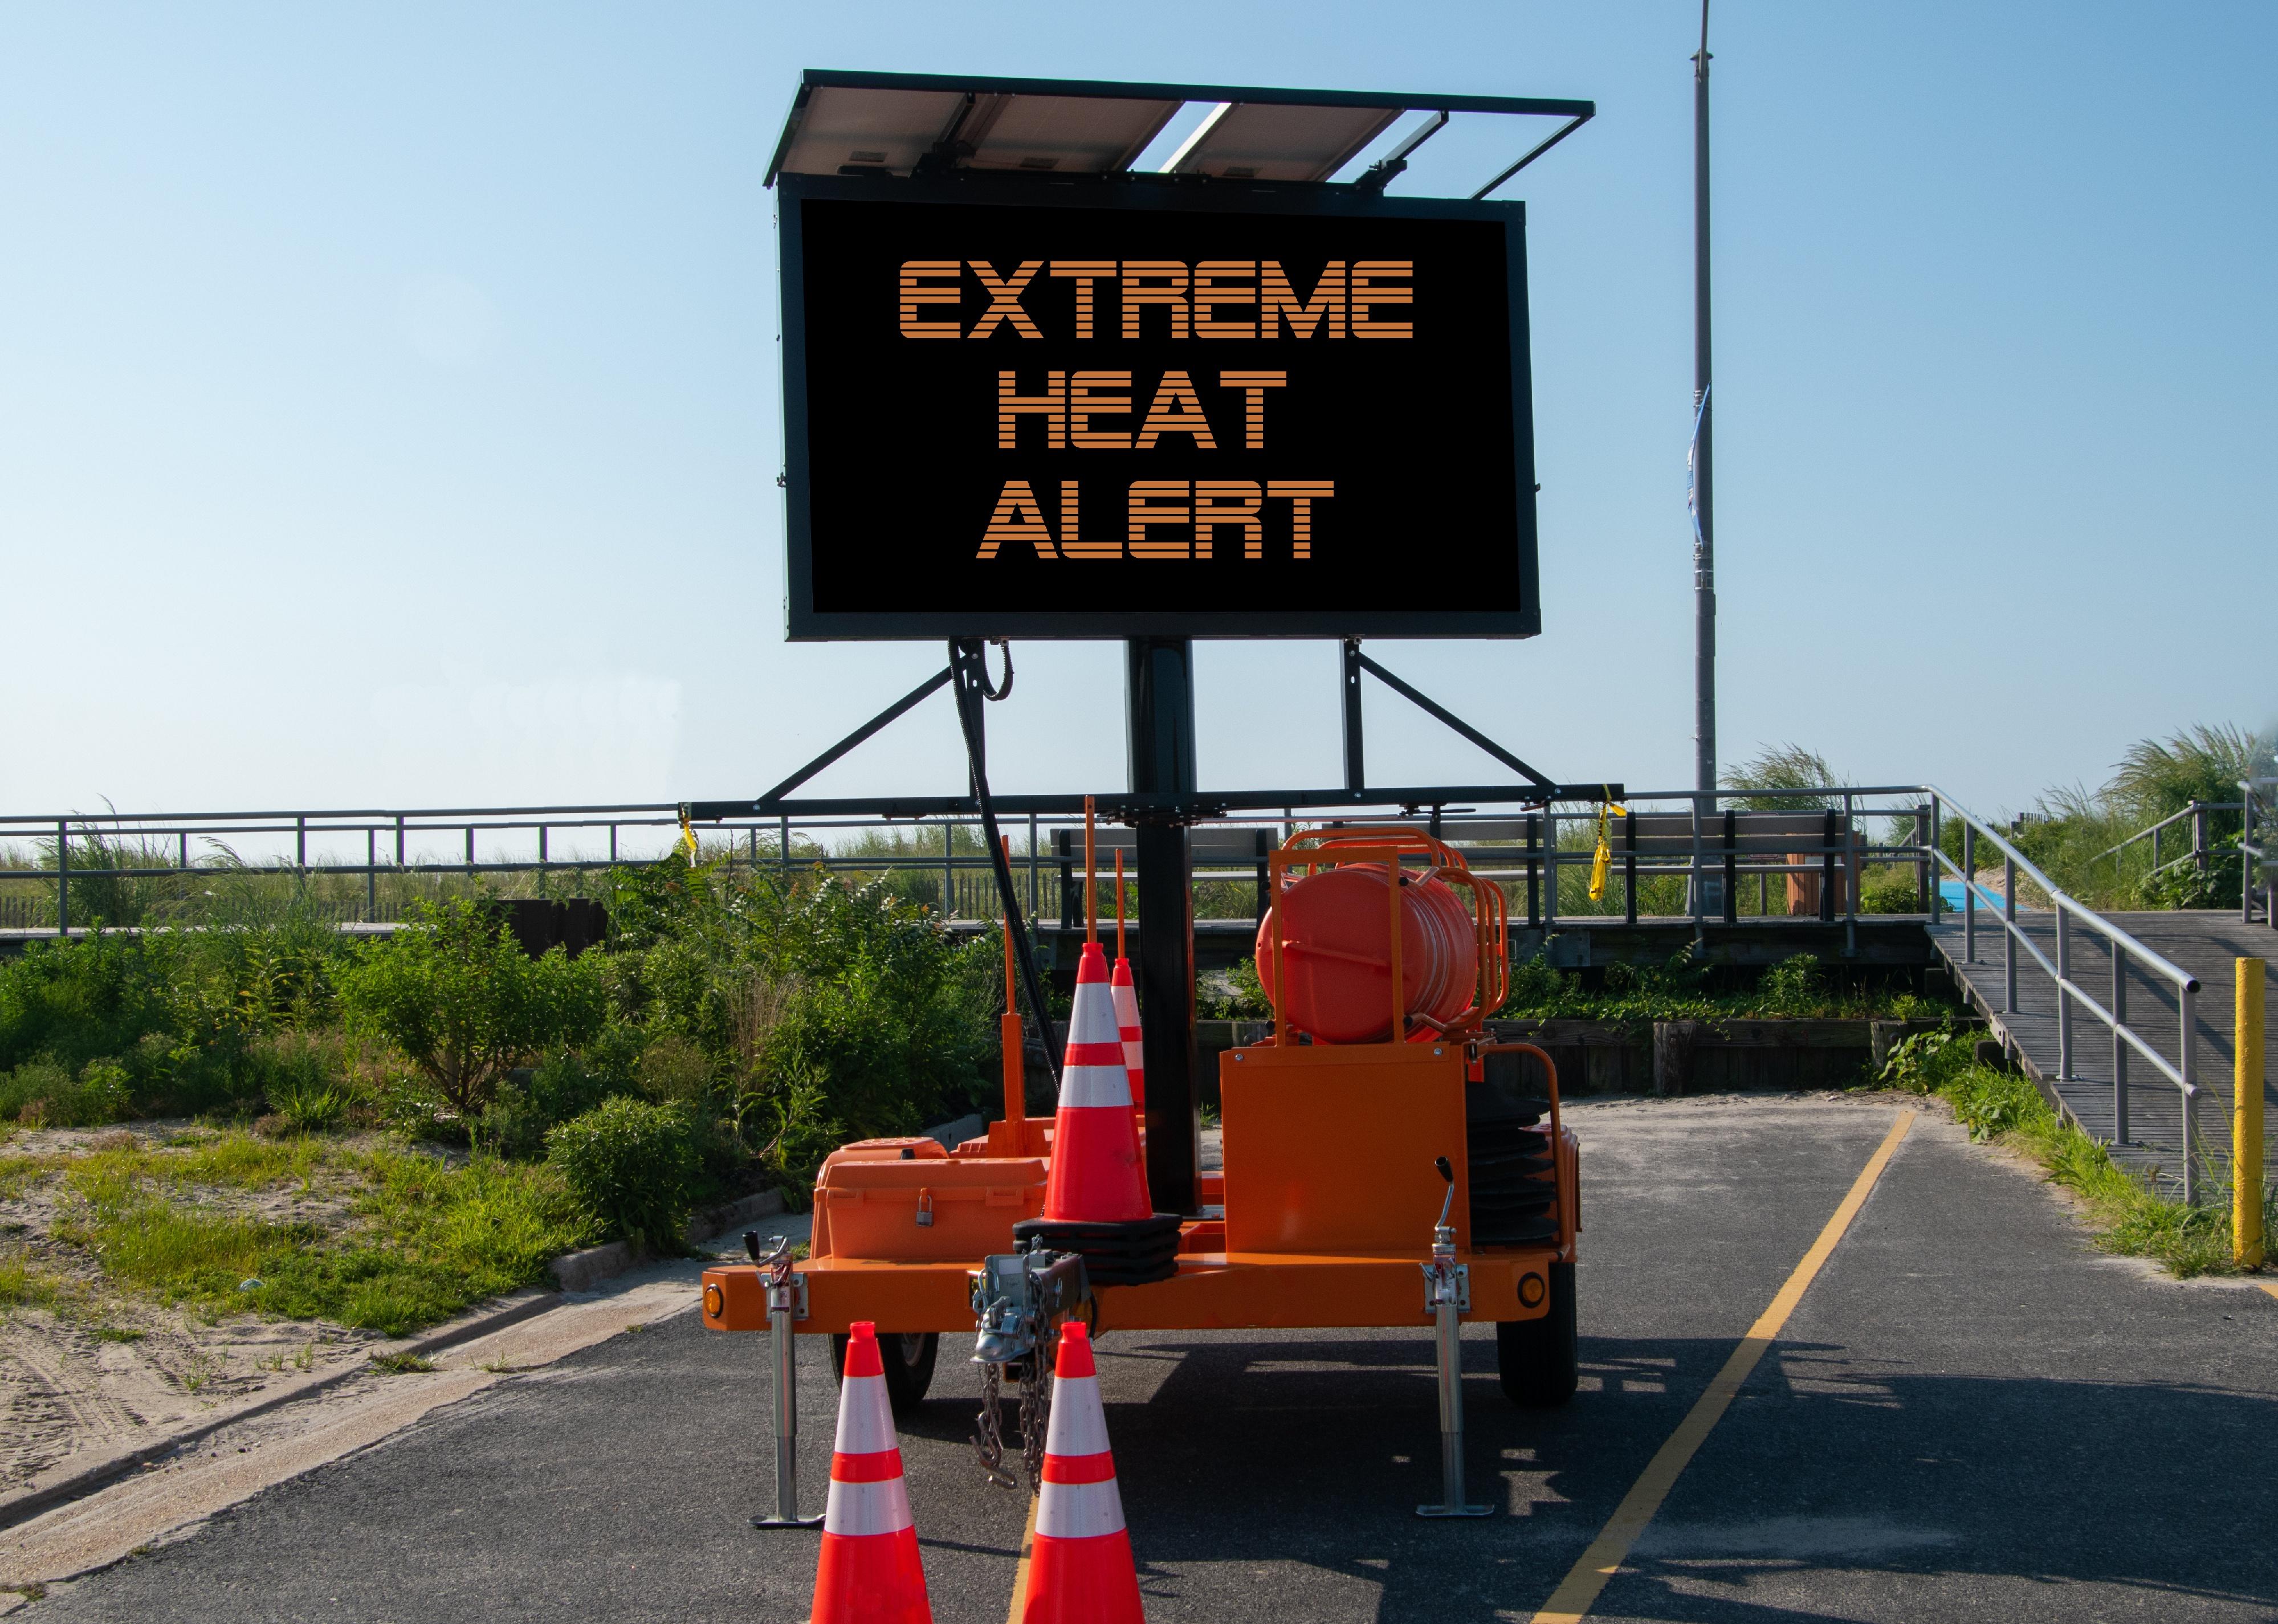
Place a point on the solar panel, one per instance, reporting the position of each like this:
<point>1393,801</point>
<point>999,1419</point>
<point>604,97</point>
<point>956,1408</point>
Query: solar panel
<point>1249,141</point>
<point>837,129</point>
<point>1061,134</point>
<point>900,124</point>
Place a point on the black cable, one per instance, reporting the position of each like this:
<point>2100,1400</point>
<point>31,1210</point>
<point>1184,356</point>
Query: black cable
<point>1004,692</point>
<point>969,662</point>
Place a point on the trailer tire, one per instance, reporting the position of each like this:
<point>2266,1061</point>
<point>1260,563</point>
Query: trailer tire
<point>908,1358</point>
<point>1540,1358</point>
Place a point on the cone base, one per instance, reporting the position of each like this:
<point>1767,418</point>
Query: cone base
<point>1136,1252</point>
<point>870,1579</point>
<point>1083,1581</point>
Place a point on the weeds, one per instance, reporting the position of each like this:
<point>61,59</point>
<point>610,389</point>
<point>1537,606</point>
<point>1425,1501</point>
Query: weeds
<point>2124,1209</point>
<point>402,1364</point>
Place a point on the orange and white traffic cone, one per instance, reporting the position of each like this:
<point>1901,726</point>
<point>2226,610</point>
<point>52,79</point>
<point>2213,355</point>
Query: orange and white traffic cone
<point>1080,1569</point>
<point>1126,1027</point>
<point>1096,1177</point>
<point>870,1572</point>
<point>1126,1004</point>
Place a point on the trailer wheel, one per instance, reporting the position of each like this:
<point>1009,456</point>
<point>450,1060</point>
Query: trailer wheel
<point>908,1357</point>
<point>1537,1358</point>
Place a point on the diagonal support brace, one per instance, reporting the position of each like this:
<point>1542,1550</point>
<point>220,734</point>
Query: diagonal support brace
<point>1433,707</point>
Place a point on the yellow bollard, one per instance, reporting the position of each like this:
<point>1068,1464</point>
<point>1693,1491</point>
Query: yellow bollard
<point>2246,1118</point>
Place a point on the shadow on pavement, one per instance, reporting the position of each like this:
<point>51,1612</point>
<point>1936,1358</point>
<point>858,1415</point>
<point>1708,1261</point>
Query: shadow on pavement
<point>1826,1479</point>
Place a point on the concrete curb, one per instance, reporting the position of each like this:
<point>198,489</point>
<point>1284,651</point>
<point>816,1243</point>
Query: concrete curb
<point>73,1482</point>
<point>583,1271</point>
<point>579,1271</point>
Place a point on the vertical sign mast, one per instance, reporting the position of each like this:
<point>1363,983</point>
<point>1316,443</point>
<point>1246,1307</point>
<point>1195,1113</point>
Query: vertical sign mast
<point>1704,528</point>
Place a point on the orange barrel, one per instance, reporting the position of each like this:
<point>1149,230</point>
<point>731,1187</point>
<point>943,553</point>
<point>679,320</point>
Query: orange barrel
<point>1336,948</point>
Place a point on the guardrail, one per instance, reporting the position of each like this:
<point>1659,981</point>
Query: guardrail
<point>2182,1072</point>
<point>1714,846</point>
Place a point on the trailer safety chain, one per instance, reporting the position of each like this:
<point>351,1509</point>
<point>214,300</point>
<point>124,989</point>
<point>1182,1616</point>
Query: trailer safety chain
<point>989,1442</point>
<point>1036,1420</point>
<point>1035,1415</point>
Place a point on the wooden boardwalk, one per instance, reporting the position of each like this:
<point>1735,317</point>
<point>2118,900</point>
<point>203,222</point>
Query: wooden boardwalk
<point>2203,943</point>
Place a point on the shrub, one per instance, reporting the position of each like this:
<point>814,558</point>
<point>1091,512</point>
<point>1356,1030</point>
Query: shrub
<point>40,1092</point>
<point>73,1002</point>
<point>631,1166</point>
<point>466,1005</point>
<point>1890,889</point>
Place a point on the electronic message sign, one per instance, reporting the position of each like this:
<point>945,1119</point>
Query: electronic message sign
<point>1126,407</point>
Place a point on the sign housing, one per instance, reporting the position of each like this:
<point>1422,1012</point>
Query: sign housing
<point>1133,406</point>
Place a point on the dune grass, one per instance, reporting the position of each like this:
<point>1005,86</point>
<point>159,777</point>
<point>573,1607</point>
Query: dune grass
<point>420,1241</point>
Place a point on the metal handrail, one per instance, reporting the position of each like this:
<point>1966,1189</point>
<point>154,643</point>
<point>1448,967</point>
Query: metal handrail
<point>2251,857</point>
<point>2068,911</point>
<point>2151,831</point>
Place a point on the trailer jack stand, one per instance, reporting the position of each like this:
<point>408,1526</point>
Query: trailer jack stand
<point>1448,1293</point>
<point>786,1301</point>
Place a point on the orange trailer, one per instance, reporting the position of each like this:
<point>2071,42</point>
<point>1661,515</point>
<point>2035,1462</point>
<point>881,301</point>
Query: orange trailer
<point>1326,1205</point>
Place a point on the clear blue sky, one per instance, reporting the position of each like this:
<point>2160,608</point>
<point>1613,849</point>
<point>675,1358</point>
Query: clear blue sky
<point>389,409</point>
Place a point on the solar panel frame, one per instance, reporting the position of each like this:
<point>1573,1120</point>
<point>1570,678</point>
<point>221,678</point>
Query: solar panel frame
<point>796,136</point>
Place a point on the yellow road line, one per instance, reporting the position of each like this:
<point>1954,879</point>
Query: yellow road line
<point>2266,1286</point>
<point>1020,1574</point>
<point>1578,1593</point>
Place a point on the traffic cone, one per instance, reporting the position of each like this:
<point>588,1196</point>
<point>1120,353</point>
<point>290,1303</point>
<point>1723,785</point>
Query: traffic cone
<point>1126,1025</point>
<point>870,1572</point>
<point>1080,1569</point>
<point>1126,1005</point>
<point>1096,1177</point>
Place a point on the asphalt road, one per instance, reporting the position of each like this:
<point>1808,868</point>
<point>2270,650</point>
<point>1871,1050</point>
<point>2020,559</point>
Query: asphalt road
<point>1971,1415</point>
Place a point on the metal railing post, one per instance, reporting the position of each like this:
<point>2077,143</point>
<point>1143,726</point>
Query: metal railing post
<point>471,849</point>
<point>2008,934</point>
<point>63,877</point>
<point>1549,867</point>
<point>1692,880</point>
<point>1629,867</point>
<point>1928,881</point>
<point>2198,835</point>
<point>948,869</point>
<point>1851,875</point>
<point>2188,1005</point>
<point>398,840</point>
<point>1533,872</point>
<point>370,875</point>
<point>2246,860</point>
<point>783,851</point>
<point>2064,996</point>
<point>2118,1044</point>
<point>300,846</point>
<point>1969,894</point>
<point>186,848</point>
<point>1032,870</point>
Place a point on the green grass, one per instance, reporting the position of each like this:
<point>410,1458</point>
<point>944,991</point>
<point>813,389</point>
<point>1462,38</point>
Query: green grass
<point>423,1240</point>
<point>402,1364</point>
<point>2128,1213</point>
<point>20,1283</point>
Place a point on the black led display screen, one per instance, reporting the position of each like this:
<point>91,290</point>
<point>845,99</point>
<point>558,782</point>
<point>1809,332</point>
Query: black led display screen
<point>1124,408</point>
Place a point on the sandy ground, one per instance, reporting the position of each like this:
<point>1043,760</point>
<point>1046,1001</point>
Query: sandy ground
<point>100,1372</point>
